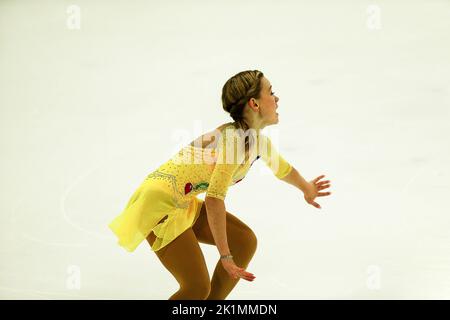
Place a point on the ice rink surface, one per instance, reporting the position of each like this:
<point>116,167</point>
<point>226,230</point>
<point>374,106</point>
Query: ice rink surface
<point>97,94</point>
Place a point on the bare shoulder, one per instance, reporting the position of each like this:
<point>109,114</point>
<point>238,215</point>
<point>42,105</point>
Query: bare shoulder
<point>209,139</point>
<point>223,126</point>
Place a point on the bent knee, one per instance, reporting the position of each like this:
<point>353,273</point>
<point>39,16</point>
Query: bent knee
<point>253,241</point>
<point>197,290</point>
<point>249,240</point>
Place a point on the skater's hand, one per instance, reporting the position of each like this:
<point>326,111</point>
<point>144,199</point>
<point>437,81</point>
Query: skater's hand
<point>312,191</point>
<point>236,272</point>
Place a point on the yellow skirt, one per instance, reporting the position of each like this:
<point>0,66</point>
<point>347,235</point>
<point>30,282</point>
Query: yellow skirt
<point>149,204</point>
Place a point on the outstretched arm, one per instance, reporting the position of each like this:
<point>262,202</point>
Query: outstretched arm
<point>295,178</point>
<point>283,170</point>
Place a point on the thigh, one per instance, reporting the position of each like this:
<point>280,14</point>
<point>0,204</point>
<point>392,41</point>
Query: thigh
<point>183,258</point>
<point>236,229</point>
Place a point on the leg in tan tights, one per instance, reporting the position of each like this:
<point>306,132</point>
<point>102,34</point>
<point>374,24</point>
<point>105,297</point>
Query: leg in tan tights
<point>184,258</point>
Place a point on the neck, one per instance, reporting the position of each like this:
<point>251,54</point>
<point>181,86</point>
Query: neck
<point>253,120</point>
<point>245,125</point>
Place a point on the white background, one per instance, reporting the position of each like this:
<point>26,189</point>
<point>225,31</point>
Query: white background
<point>87,113</point>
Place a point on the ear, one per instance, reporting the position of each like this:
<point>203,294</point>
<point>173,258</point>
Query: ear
<point>252,104</point>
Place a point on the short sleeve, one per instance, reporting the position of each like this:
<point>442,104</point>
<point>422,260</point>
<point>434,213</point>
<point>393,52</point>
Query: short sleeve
<point>226,165</point>
<point>279,166</point>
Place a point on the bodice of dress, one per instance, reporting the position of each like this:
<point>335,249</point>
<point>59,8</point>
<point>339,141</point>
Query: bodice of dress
<point>194,170</point>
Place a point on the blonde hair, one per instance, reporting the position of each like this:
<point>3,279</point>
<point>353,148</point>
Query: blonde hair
<point>236,92</point>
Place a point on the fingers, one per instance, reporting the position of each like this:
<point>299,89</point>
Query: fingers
<point>321,194</point>
<point>318,178</point>
<point>315,204</point>
<point>323,182</point>
<point>248,276</point>
<point>245,275</point>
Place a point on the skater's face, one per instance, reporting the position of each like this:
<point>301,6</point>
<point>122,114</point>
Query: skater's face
<point>266,105</point>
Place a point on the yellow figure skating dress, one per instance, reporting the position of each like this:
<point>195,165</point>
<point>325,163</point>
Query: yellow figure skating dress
<point>166,201</point>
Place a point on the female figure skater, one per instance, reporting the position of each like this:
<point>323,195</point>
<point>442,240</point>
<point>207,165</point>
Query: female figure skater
<point>165,211</point>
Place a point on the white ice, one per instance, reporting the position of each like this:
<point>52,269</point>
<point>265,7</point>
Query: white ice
<point>88,112</point>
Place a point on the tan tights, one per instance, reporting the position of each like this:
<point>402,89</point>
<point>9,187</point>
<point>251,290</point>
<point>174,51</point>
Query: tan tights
<point>185,261</point>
